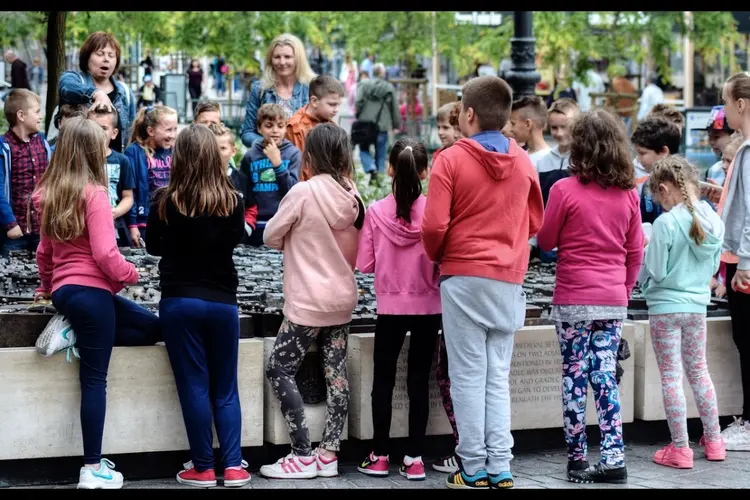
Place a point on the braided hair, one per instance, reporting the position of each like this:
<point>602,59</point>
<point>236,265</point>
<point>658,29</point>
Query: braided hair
<point>678,171</point>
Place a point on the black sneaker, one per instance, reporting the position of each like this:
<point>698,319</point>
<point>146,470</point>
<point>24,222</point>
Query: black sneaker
<point>502,481</point>
<point>599,474</point>
<point>448,464</point>
<point>460,480</point>
<point>577,465</point>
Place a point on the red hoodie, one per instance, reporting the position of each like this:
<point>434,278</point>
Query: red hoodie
<point>482,208</point>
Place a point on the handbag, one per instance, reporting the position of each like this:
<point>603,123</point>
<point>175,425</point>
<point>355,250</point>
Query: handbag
<point>365,132</point>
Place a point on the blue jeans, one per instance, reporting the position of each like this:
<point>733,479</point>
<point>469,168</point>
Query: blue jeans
<point>100,321</point>
<point>364,154</point>
<point>28,242</point>
<point>202,340</point>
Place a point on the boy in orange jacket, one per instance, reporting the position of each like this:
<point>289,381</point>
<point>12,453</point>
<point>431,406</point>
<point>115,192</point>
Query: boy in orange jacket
<point>326,94</point>
<point>483,205</point>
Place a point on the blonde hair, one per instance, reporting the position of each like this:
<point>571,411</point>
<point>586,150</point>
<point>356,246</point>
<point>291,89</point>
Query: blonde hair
<point>148,116</point>
<point>677,171</point>
<point>733,145</point>
<point>220,130</point>
<point>198,183</point>
<point>80,155</point>
<point>303,72</point>
<point>738,86</point>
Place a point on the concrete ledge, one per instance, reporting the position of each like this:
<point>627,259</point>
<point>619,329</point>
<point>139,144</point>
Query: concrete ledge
<point>40,403</point>
<point>275,430</point>
<point>723,366</point>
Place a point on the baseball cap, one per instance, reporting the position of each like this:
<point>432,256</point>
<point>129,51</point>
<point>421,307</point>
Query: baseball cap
<point>717,120</point>
<point>146,78</point>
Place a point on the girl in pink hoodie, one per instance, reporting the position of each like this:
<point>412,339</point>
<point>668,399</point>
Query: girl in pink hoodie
<point>406,285</point>
<point>317,226</point>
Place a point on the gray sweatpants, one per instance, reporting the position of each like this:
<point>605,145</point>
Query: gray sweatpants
<point>480,318</point>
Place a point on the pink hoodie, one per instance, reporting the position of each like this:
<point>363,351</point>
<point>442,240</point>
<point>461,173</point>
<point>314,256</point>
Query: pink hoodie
<point>314,226</point>
<point>91,260</point>
<point>406,281</point>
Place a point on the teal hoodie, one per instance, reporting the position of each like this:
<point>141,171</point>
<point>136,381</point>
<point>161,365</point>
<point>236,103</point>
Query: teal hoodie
<point>679,270</point>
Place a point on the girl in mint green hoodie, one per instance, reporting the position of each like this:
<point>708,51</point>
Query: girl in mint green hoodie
<point>681,257</point>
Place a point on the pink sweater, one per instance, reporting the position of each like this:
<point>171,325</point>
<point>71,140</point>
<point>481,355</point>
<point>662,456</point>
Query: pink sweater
<point>91,260</point>
<point>314,226</point>
<point>599,242</point>
<point>406,281</point>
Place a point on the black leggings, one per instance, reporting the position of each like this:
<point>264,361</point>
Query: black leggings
<point>390,332</point>
<point>739,308</point>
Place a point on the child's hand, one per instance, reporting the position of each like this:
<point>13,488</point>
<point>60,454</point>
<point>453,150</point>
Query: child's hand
<point>272,153</point>
<point>720,291</point>
<point>741,281</point>
<point>15,233</point>
<point>135,235</point>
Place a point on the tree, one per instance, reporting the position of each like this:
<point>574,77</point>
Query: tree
<point>55,60</point>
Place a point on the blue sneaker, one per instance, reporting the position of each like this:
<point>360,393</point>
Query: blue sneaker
<point>502,481</point>
<point>106,478</point>
<point>462,481</point>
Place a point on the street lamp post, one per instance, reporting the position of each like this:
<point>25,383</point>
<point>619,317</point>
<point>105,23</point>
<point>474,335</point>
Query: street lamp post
<point>522,76</point>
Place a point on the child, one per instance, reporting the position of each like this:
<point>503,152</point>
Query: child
<point>682,256</point>
<point>719,135</point>
<point>654,139</point>
<point>82,271</point>
<point>593,220</point>
<point>68,111</point>
<point>194,224</point>
<point>24,155</point>
<point>120,175</point>
<point>148,94</point>
<point>669,113</point>
<point>272,165</point>
<point>528,119</point>
<point>406,284</point>
<point>317,226</point>
<point>150,153</point>
<point>207,112</point>
<point>734,209</point>
<point>447,127</point>
<point>241,183</point>
<point>553,166</point>
<point>326,93</point>
<point>483,252</point>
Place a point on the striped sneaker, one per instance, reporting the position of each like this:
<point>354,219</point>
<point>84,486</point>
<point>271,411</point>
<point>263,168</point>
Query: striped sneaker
<point>327,467</point>
<point>447,464</point>
<point>374,465</point>
<point>291,467</point>
<point>462,481</point>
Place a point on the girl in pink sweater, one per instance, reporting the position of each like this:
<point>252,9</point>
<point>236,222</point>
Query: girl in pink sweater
<point>593,219</point>
<point>317,226</point>
<point>406,285</point>
<point>82,271</point>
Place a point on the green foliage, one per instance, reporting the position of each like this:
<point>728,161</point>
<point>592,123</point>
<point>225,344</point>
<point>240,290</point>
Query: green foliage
<point>20,25</point>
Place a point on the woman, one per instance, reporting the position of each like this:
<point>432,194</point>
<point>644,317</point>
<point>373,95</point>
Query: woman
<point>195,82</point>
<point>94,84</point>
<point>348,77</point>
<point>285,81</point>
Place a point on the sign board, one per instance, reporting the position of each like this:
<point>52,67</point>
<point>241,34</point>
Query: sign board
<point>174,88</point>
<point>695,139</point>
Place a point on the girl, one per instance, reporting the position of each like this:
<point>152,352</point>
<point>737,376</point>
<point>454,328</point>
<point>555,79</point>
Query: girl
<point>194,224</point>
<point>82,271</point>
<point>734,208</point>
<point>406,284</point>
<point>317,226</point>
<point>593,219</point>
<point>150,153</point>
<point>682,256</point>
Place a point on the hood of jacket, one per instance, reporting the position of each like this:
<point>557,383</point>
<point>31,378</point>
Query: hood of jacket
<point>377,89</point>
<point>497,164</point>
<point>712,227</point>
<point>398,231</point>
<point>339,206</point>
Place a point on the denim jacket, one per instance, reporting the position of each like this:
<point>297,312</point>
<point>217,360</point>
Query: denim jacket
<point>77,88</point>
<point>249,131</point>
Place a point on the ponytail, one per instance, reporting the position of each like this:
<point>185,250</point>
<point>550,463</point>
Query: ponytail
<point>408,160</point>
<point>148,116</point>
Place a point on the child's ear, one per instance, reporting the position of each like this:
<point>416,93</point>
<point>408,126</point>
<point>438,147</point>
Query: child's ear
<point>115,131</point>
<point>314,100</point>
<point>150,131</point>
<point>664,151</point>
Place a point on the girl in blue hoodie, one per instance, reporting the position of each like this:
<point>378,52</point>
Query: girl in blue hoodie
<point>681,258</point>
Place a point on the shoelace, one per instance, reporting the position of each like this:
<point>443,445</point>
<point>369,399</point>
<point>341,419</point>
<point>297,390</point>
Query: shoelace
<point>189,465</point>
<point>72,349</point>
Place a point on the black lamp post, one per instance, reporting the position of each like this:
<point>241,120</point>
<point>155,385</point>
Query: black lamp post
<point>522,76</point>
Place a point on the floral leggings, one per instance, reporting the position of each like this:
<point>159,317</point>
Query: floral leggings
<point>445,384</point>
<point>589,350</point>
<point>680,340</point>
<point>292,343</point>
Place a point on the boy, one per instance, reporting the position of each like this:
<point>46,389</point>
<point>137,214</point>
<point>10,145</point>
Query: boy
<point>553,166</point>
<point>241,183</point>
<point>528,118</point>
<point>207,112</point>
<point>24,155</point>
<point>120,173</point>
<point>669,113</point>
<point>654,139</point>
<point>483,256</point>
<point>271,165</point>
<point>65,112</point>
<point>326,93</point>
<point>447,127</point>
<point>719,135</point>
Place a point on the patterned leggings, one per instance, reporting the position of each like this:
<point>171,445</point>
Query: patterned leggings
<point>589,350</point>
<point>292,343</point>
<point>445,384</point>
<point>680,340</point>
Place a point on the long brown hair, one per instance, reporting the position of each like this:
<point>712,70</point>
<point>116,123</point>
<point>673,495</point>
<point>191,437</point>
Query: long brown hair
<point>80,155</point>
<point>198,184</point>
<point>328,151</point>
<point>600,152</point>
<point>408,160</point>
<point>679,172</point>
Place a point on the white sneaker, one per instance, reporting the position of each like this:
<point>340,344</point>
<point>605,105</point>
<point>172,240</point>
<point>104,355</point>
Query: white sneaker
<point>737,435</point>
<point>57,336</point>
<point>106,478</point>
<point>291,467</point>
<point>327,467</point>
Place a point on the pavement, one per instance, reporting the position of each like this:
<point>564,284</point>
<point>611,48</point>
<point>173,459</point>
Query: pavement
<point>541,470</point>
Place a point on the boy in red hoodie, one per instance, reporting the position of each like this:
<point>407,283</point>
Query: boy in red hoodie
<point>484,203</point>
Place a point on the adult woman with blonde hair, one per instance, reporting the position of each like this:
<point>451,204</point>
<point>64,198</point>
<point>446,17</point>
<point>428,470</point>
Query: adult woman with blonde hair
<point>285,81</point>
<point>81,270</point>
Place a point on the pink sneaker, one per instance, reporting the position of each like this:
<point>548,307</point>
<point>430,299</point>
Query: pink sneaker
<point>716,451</point>
<point>374,465</point>
<point>670,456</point>
<point>413,469</point>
